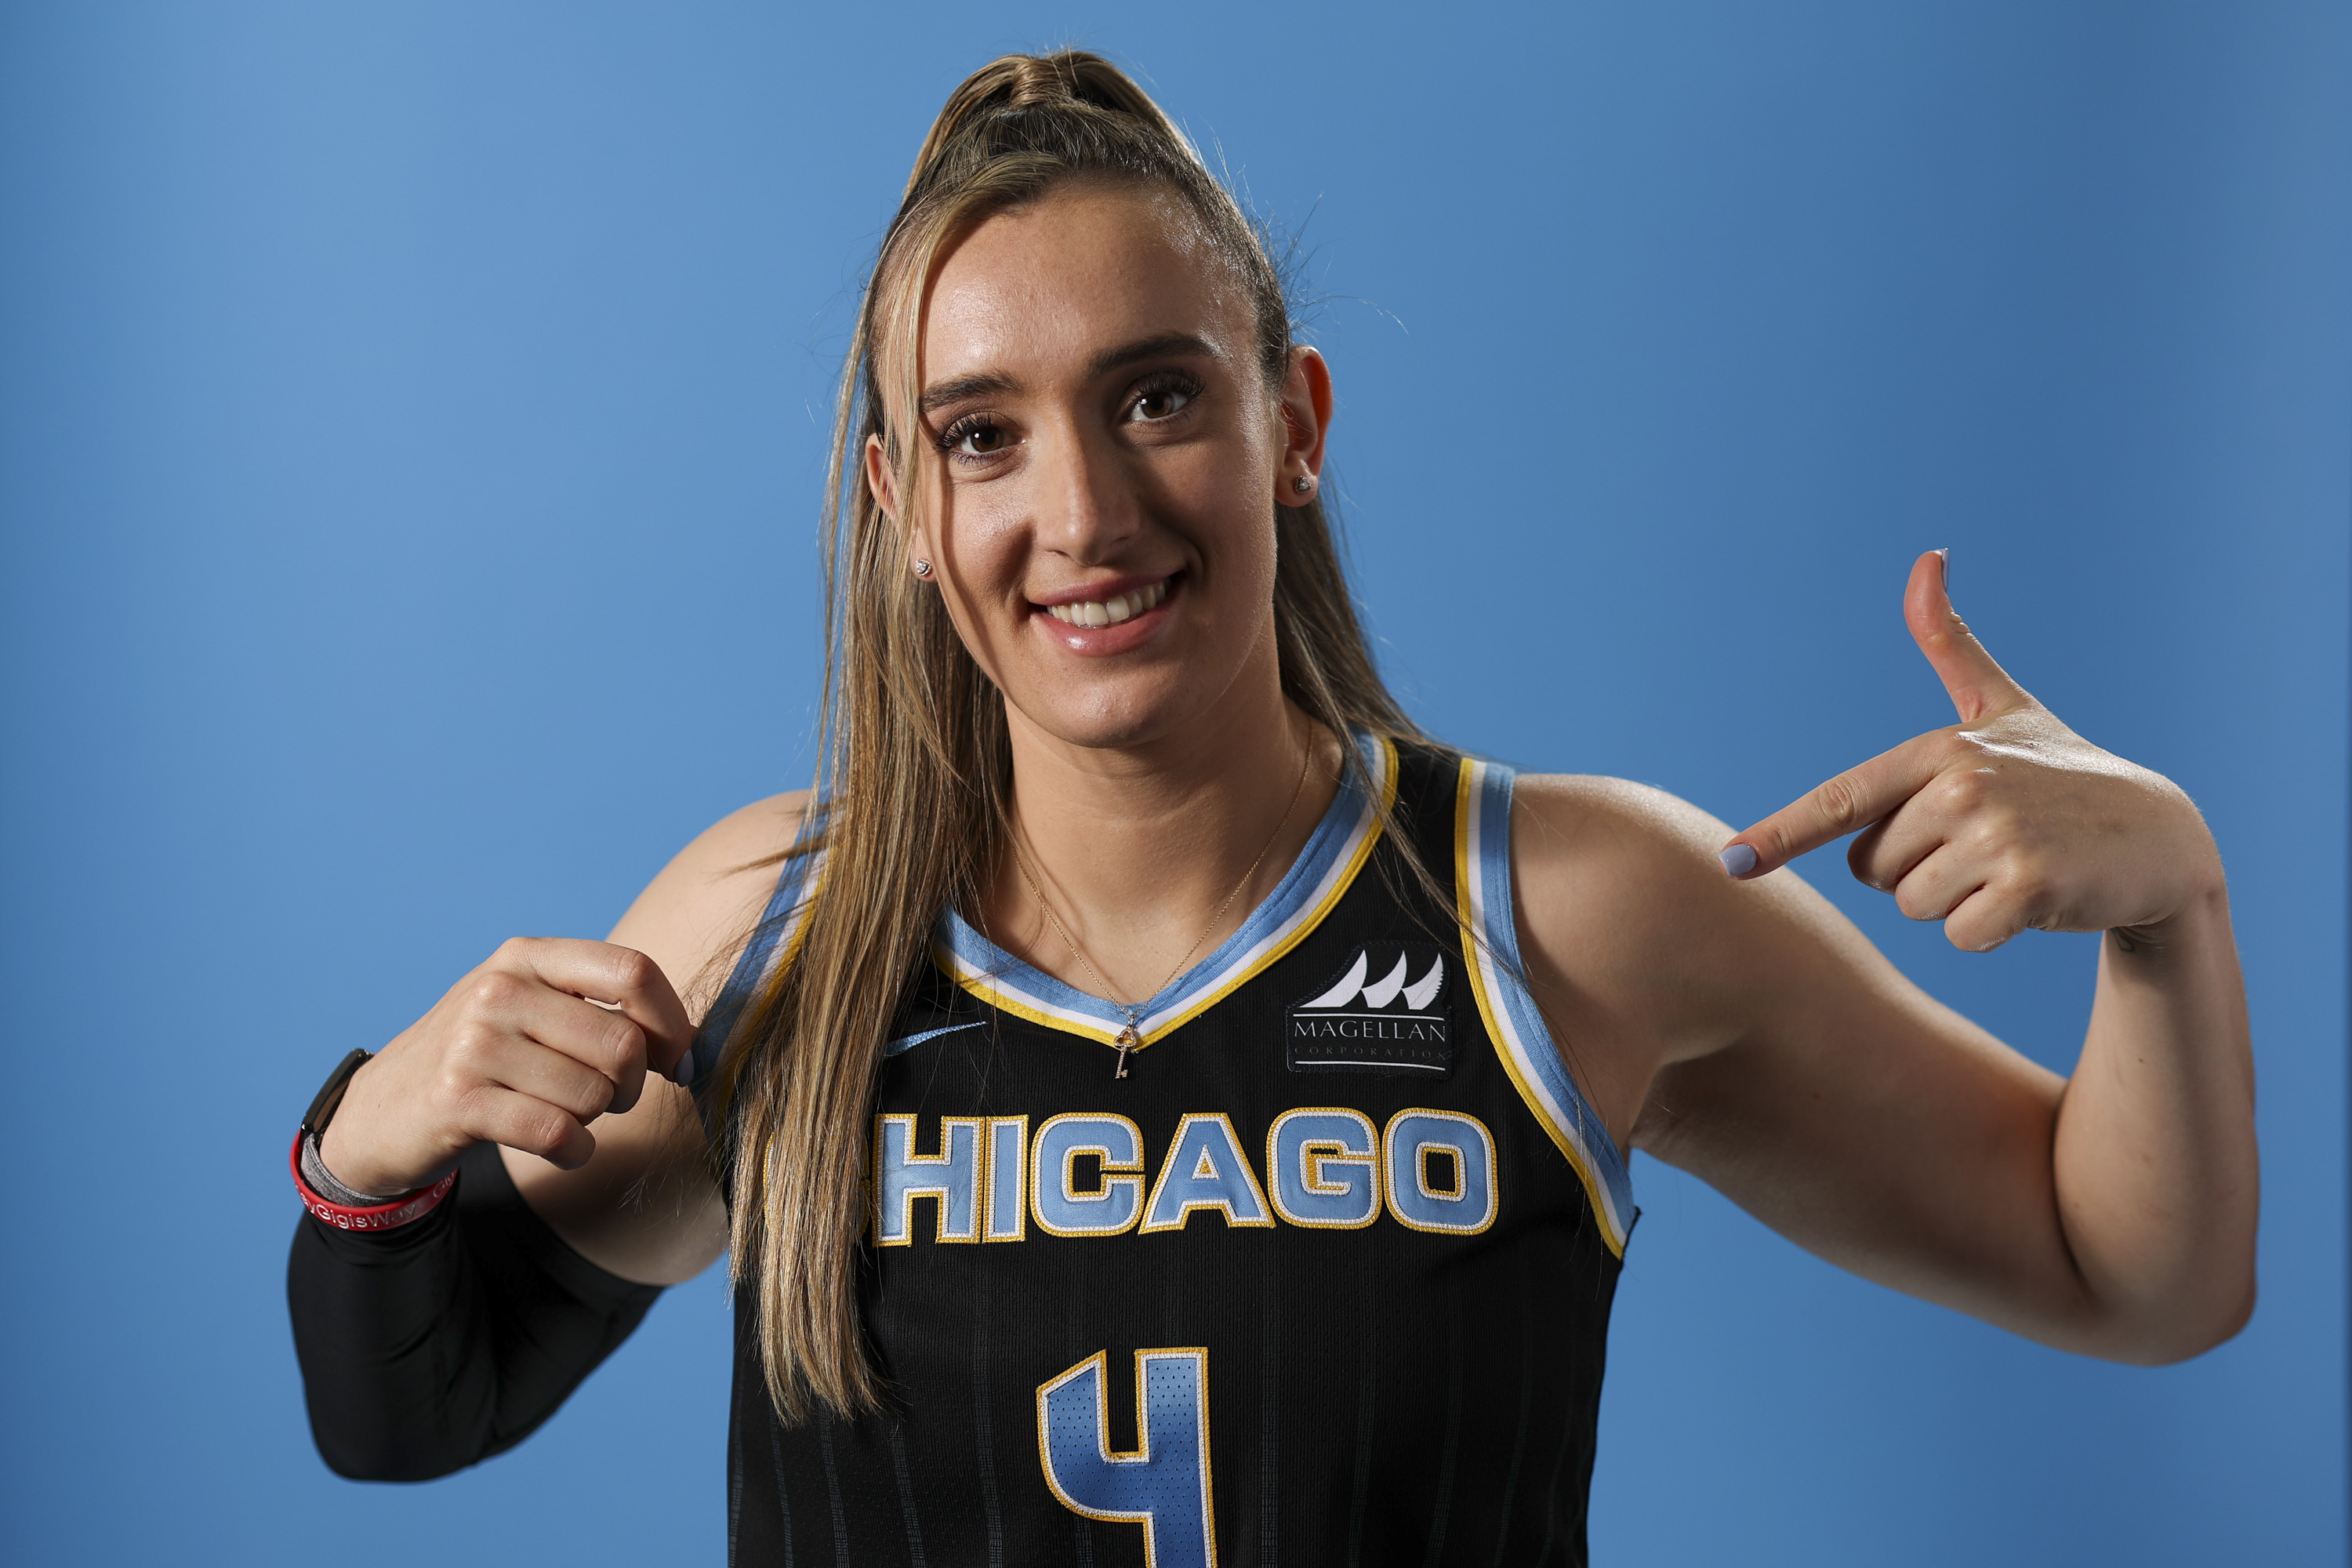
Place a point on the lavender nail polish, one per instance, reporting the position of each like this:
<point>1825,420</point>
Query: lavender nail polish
<point>1739,859</point>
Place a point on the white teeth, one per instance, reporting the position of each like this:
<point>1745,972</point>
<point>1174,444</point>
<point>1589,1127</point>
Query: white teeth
<point>1112,611</point>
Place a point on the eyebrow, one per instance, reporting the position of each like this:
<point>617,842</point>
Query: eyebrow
<point>981,385</point>
<point>1160,345</point>
<point>1164,345</point>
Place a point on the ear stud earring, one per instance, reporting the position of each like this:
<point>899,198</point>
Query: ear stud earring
<point>922,568</point>
<point>1302,484</point>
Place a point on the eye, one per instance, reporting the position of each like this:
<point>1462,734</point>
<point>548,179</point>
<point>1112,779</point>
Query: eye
<point>975,435</point>
<point>1162,397</point>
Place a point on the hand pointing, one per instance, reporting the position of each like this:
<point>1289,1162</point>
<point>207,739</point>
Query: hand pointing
<point>2004,821</point>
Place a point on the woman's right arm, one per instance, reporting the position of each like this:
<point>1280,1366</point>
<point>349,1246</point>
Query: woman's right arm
<point>432,1346</point>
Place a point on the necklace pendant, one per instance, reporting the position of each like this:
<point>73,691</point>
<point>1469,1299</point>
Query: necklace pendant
<point>1128,1039</point>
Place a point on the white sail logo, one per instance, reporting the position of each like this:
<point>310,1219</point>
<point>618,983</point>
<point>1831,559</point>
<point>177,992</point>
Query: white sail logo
<point>1386,1013</point>
<point>1351,988</point>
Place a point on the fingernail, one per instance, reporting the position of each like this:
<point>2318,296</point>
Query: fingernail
<point>1739,859</point>
<point>1947,553</point>
<point>682,1073</point>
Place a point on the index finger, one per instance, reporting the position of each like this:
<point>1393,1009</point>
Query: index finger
<point>619,977</point>
<point>1847,804</point>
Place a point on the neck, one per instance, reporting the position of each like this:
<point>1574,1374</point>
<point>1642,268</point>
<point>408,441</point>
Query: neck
<point>1151,855</point>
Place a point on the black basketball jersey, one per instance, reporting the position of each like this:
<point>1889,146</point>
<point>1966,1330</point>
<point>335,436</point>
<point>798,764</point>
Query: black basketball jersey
<point>1324,1279</point>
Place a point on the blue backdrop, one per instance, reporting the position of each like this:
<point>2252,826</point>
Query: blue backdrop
<point>411,424</point>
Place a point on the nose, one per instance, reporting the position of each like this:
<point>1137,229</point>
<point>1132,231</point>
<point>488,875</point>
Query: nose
<point>1085,503</point>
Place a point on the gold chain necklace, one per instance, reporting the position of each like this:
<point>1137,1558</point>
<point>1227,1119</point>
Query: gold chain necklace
<point>1131,1039</point>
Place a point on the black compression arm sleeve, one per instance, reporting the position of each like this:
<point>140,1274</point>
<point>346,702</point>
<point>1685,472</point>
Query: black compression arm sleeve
<point>434,1346</point>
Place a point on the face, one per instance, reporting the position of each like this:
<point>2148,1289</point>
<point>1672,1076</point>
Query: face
<point>1100,461</point>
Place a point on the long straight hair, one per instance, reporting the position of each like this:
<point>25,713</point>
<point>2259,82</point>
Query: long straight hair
<point>916,767</point>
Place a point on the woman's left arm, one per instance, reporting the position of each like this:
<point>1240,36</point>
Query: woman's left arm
<point>2112,1214</point>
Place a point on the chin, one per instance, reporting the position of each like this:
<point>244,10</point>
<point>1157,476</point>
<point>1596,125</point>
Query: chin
<point>1131,714</point>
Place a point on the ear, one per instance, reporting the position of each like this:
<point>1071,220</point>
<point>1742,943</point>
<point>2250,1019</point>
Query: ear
<point>880,479</point>
<point>1306,420</point>
<point>884,483</point>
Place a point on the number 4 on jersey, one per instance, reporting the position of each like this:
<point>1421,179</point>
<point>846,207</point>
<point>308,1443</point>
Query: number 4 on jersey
<point>1164,1485</point>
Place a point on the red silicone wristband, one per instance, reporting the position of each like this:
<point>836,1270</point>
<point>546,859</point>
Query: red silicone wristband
<point>383,1216</point>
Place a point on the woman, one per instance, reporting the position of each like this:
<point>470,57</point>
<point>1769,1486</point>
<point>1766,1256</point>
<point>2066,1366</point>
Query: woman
<point>1165,1109</point>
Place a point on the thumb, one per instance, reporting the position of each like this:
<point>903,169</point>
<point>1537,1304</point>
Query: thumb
<point>1980,687</point>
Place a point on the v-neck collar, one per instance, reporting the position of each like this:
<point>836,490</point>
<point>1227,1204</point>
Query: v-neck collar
<point>1310,889</point>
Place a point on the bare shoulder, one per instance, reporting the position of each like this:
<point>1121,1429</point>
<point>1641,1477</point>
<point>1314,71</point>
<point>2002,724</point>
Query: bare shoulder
<point>691,916</point>
<point>1631,871</point>
<point>1585,814</point>
<point>1639,949</point>
<point>1621,873</point>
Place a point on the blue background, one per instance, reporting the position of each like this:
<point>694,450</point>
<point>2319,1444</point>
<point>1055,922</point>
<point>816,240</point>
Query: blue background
<point>411,424</point>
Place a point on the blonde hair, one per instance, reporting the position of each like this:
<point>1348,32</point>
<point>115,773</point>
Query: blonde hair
<point>916,771</point>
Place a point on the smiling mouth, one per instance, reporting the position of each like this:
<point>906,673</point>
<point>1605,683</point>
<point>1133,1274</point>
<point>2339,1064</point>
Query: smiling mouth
<point>1110,612</point>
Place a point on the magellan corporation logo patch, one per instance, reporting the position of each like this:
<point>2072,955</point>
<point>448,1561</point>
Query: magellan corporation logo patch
<point>1384,1012</point>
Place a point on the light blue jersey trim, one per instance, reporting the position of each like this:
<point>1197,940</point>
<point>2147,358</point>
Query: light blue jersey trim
<point>909,1042</point>
<point>1307,892</point>
<point>1483,870</point>
<point>779,932</point>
